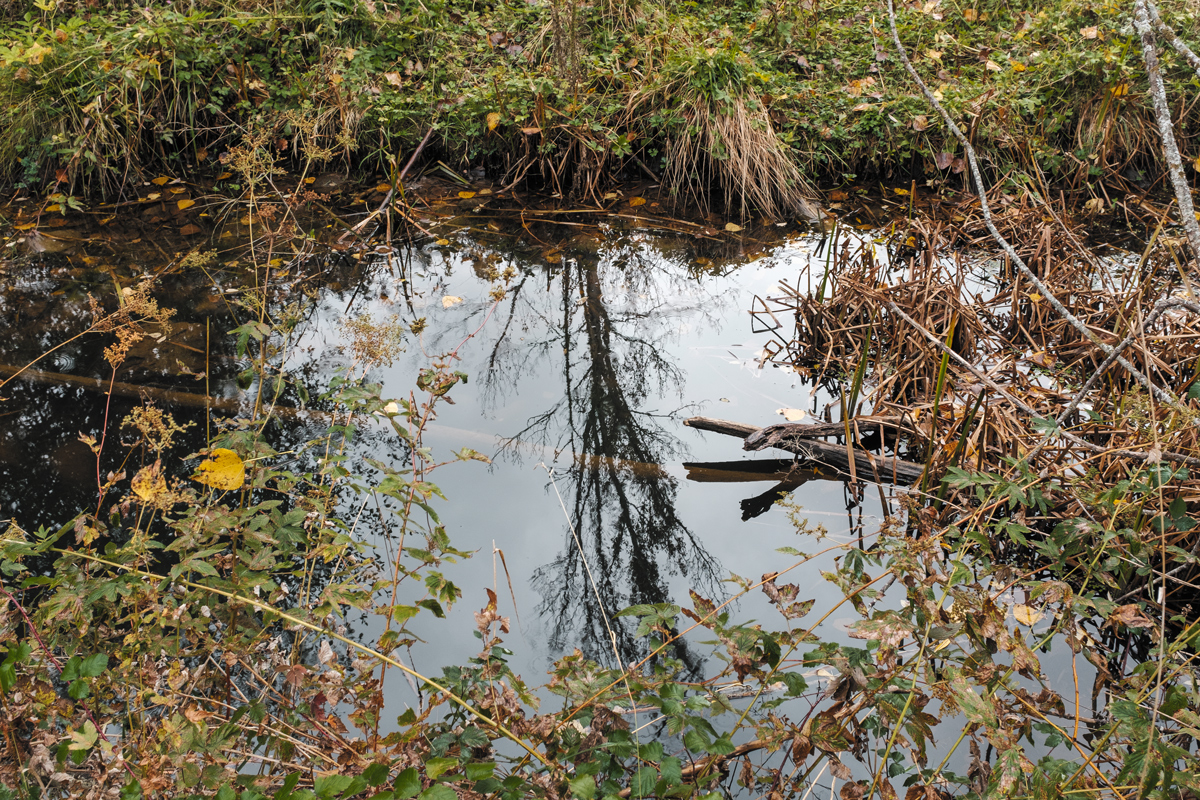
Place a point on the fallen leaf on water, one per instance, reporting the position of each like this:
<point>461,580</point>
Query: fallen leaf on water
<point>442,242</point>
<point>732,227</point>
<point>791,414</point>
<point>637,201</point>
<point>466,195</point>
<point>161,180</point>
<point>1026,616</point>
<point>450,300</point>
<point>184,205</point>
<point>223,470</point>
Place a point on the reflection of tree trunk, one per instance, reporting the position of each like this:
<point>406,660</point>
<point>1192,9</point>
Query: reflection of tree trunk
<point>624,516</point>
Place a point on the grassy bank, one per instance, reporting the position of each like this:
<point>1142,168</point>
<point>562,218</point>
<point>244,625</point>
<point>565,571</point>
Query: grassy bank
<point>733,101</point>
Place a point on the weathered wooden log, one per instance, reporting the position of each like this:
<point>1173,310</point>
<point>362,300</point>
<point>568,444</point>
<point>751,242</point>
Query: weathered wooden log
<point>804,440</point>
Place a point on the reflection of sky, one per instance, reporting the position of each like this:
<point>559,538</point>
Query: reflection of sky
<point>700,330</point>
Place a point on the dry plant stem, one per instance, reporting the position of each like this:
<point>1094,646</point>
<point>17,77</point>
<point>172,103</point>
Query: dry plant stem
<point>1095,448</point>
<point>1166,129</point>
<point>387,200</point>
<point>1159,308</point>
<point>986,212</point>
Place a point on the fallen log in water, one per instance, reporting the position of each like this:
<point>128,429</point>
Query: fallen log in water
<point>804,440</point>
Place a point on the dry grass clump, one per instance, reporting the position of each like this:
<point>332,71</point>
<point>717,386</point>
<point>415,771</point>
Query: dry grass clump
<point>733,145</point>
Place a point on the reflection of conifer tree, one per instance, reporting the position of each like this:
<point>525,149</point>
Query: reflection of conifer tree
<point>620,503</point>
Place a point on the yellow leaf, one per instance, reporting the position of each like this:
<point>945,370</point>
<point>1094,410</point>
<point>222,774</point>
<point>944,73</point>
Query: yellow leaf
<point>223,470</point>
<point>178,189</point>
<point>383,188</point>
<point>637,201</point>
<point>1120,90</point>
<point>184,205</point>
<point>900,191</point>
<point>493,119</point>
<point>153,195</point>
<point>149,484</point>
<point>1017,66</point>
<point>161,180</point>
<point>791,414</point>
<point>28,226</point>
<point>442,242</point>
<point>732,227</point>
<point>1026,616</point>
<point>227,175</point>
<point>450,300</point>
<point>1035,298</point>
<point>466,195</point>
<point>54,207</point>
<point>275,262</point>
<point>970,15</point>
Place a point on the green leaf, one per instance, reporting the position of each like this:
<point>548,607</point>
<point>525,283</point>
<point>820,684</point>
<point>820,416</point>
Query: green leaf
<point>78,690</point>
<point>375,774</point>
<point>408,784</point>
<point>479,770</point>
<point>93,665</point>
<point>796,685</point>
<point>435,767</point>
<point>722,746</point>
<point>439,792</point>
<point>583,787</point>
<point>643,782</point>
<point>328,786</point>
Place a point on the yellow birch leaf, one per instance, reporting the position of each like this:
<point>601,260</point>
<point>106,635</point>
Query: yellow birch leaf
<point>637,201</point>
<point>466,195</point>
<point>1026,616</point>
<point>383,188</point>
<point>309,179</point>
<point>161,180</point>
<point>178,189</point>
<point>732,227</point>
<point>450,300</point>
<point>54,207</point>
<point>153,195</point>
<point>791,414</point>
<point>184,205</point>
<point>442,242</point>
<point>493,119</point>
<point>223,470</point>
<point>149,484</point>
<point>28,226</point>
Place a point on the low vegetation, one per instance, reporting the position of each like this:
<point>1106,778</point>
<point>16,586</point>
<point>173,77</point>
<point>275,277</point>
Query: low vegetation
<point>733,100</point>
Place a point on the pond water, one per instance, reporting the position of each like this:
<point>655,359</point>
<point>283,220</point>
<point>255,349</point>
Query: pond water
<point>612,332</point>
